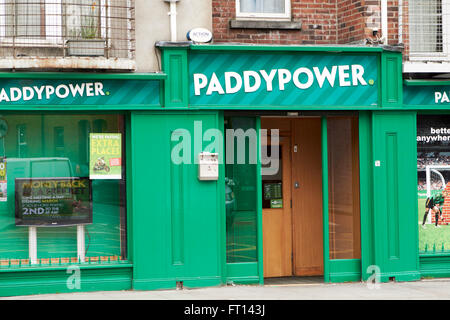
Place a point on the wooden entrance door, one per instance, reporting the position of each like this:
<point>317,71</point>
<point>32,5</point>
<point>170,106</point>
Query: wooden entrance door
<point>277,222</point>
<point>293,235</point>
<point>307,213</point>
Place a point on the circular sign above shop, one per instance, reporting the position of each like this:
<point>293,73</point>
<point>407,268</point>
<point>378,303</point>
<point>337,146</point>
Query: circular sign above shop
<point>200,35</point>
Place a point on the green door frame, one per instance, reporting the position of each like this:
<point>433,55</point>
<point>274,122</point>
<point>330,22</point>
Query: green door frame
<point>334,270</point>
<point>326,246</point>
<point>343,269</point>
<point>337,270</point>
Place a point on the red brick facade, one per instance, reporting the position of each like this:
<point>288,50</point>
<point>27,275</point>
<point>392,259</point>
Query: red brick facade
<point>323,22</point>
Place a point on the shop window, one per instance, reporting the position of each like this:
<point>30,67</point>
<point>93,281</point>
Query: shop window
<point>59,141</point>
<point>241,194</point>
<point>59,184</point>
<point>100,125</point>
<point>84,129</point>
<point>22,145</point>
<point>433,177</point>
<point>343,188</point>
<point>263,9</point>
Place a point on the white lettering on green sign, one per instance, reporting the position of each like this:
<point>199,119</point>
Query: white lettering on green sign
<point>251,81</point>
<point>440,97</point>
<point>62,91</point>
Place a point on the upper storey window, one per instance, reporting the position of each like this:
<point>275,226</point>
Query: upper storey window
<point>64,28</point>
<point>428,22</point>
<point>263,9</point>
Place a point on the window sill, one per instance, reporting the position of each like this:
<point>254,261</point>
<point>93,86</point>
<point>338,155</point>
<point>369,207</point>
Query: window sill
<point>25,63</point>
<point>265,24</point>
<point>426,66</point>
<point>49,267</point>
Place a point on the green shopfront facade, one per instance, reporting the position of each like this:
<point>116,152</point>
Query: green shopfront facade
<point>158,224</point>
<point>47,242</point>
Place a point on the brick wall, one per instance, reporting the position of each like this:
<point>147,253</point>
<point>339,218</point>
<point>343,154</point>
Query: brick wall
<point>393,22</point>
<point>323,22</point>
<point>318,19</point>
<point>351,21</point>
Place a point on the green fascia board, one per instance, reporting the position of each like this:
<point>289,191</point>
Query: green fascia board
<point>281,108</point>
<point>86,107</point>
<point>380,51</point>
<point>68,75</point>
<point>121,91</point>
<point>421,94</point>
<point>426,82</point>
<point>307,48</point>
<point>209,63</point>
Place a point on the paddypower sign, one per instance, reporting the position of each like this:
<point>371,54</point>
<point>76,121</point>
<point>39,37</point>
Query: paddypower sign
<point>280,79</point>
<point>432,94</point>
<point>40,92</point>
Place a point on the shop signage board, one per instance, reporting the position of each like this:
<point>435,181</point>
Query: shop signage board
<point>433,93</point>
<point>53,201</point>
<point>105,159</point>
<point>261,79</point>
<point>76,92</point>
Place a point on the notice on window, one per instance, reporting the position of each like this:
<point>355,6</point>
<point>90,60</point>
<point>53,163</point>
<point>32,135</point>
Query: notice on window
<point>53,201</point>
<point>105,159</point>
<point>433,177</point>
<point>3,181</point>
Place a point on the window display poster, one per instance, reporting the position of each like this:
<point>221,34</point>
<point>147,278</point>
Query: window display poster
<point>3,181</point>
<point>53,201</point>
<point>433,173</point>
<point>105,158</point>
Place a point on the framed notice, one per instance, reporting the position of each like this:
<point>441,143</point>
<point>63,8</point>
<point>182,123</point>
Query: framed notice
<point>3,180</point>
<point>53,201</point>
<point>105,158</point>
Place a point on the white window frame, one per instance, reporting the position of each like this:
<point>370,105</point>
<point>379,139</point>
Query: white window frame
<point>264,16</point>
<point>53,36</point>
<point>437,56</point>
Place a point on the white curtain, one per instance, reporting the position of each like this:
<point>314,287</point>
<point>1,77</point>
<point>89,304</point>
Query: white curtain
<point>425,26</point>
<point>262,6</point>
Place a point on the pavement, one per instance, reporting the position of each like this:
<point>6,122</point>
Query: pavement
<point>428,289</point>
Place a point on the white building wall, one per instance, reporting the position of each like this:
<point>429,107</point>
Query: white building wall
<point>153,24</point>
